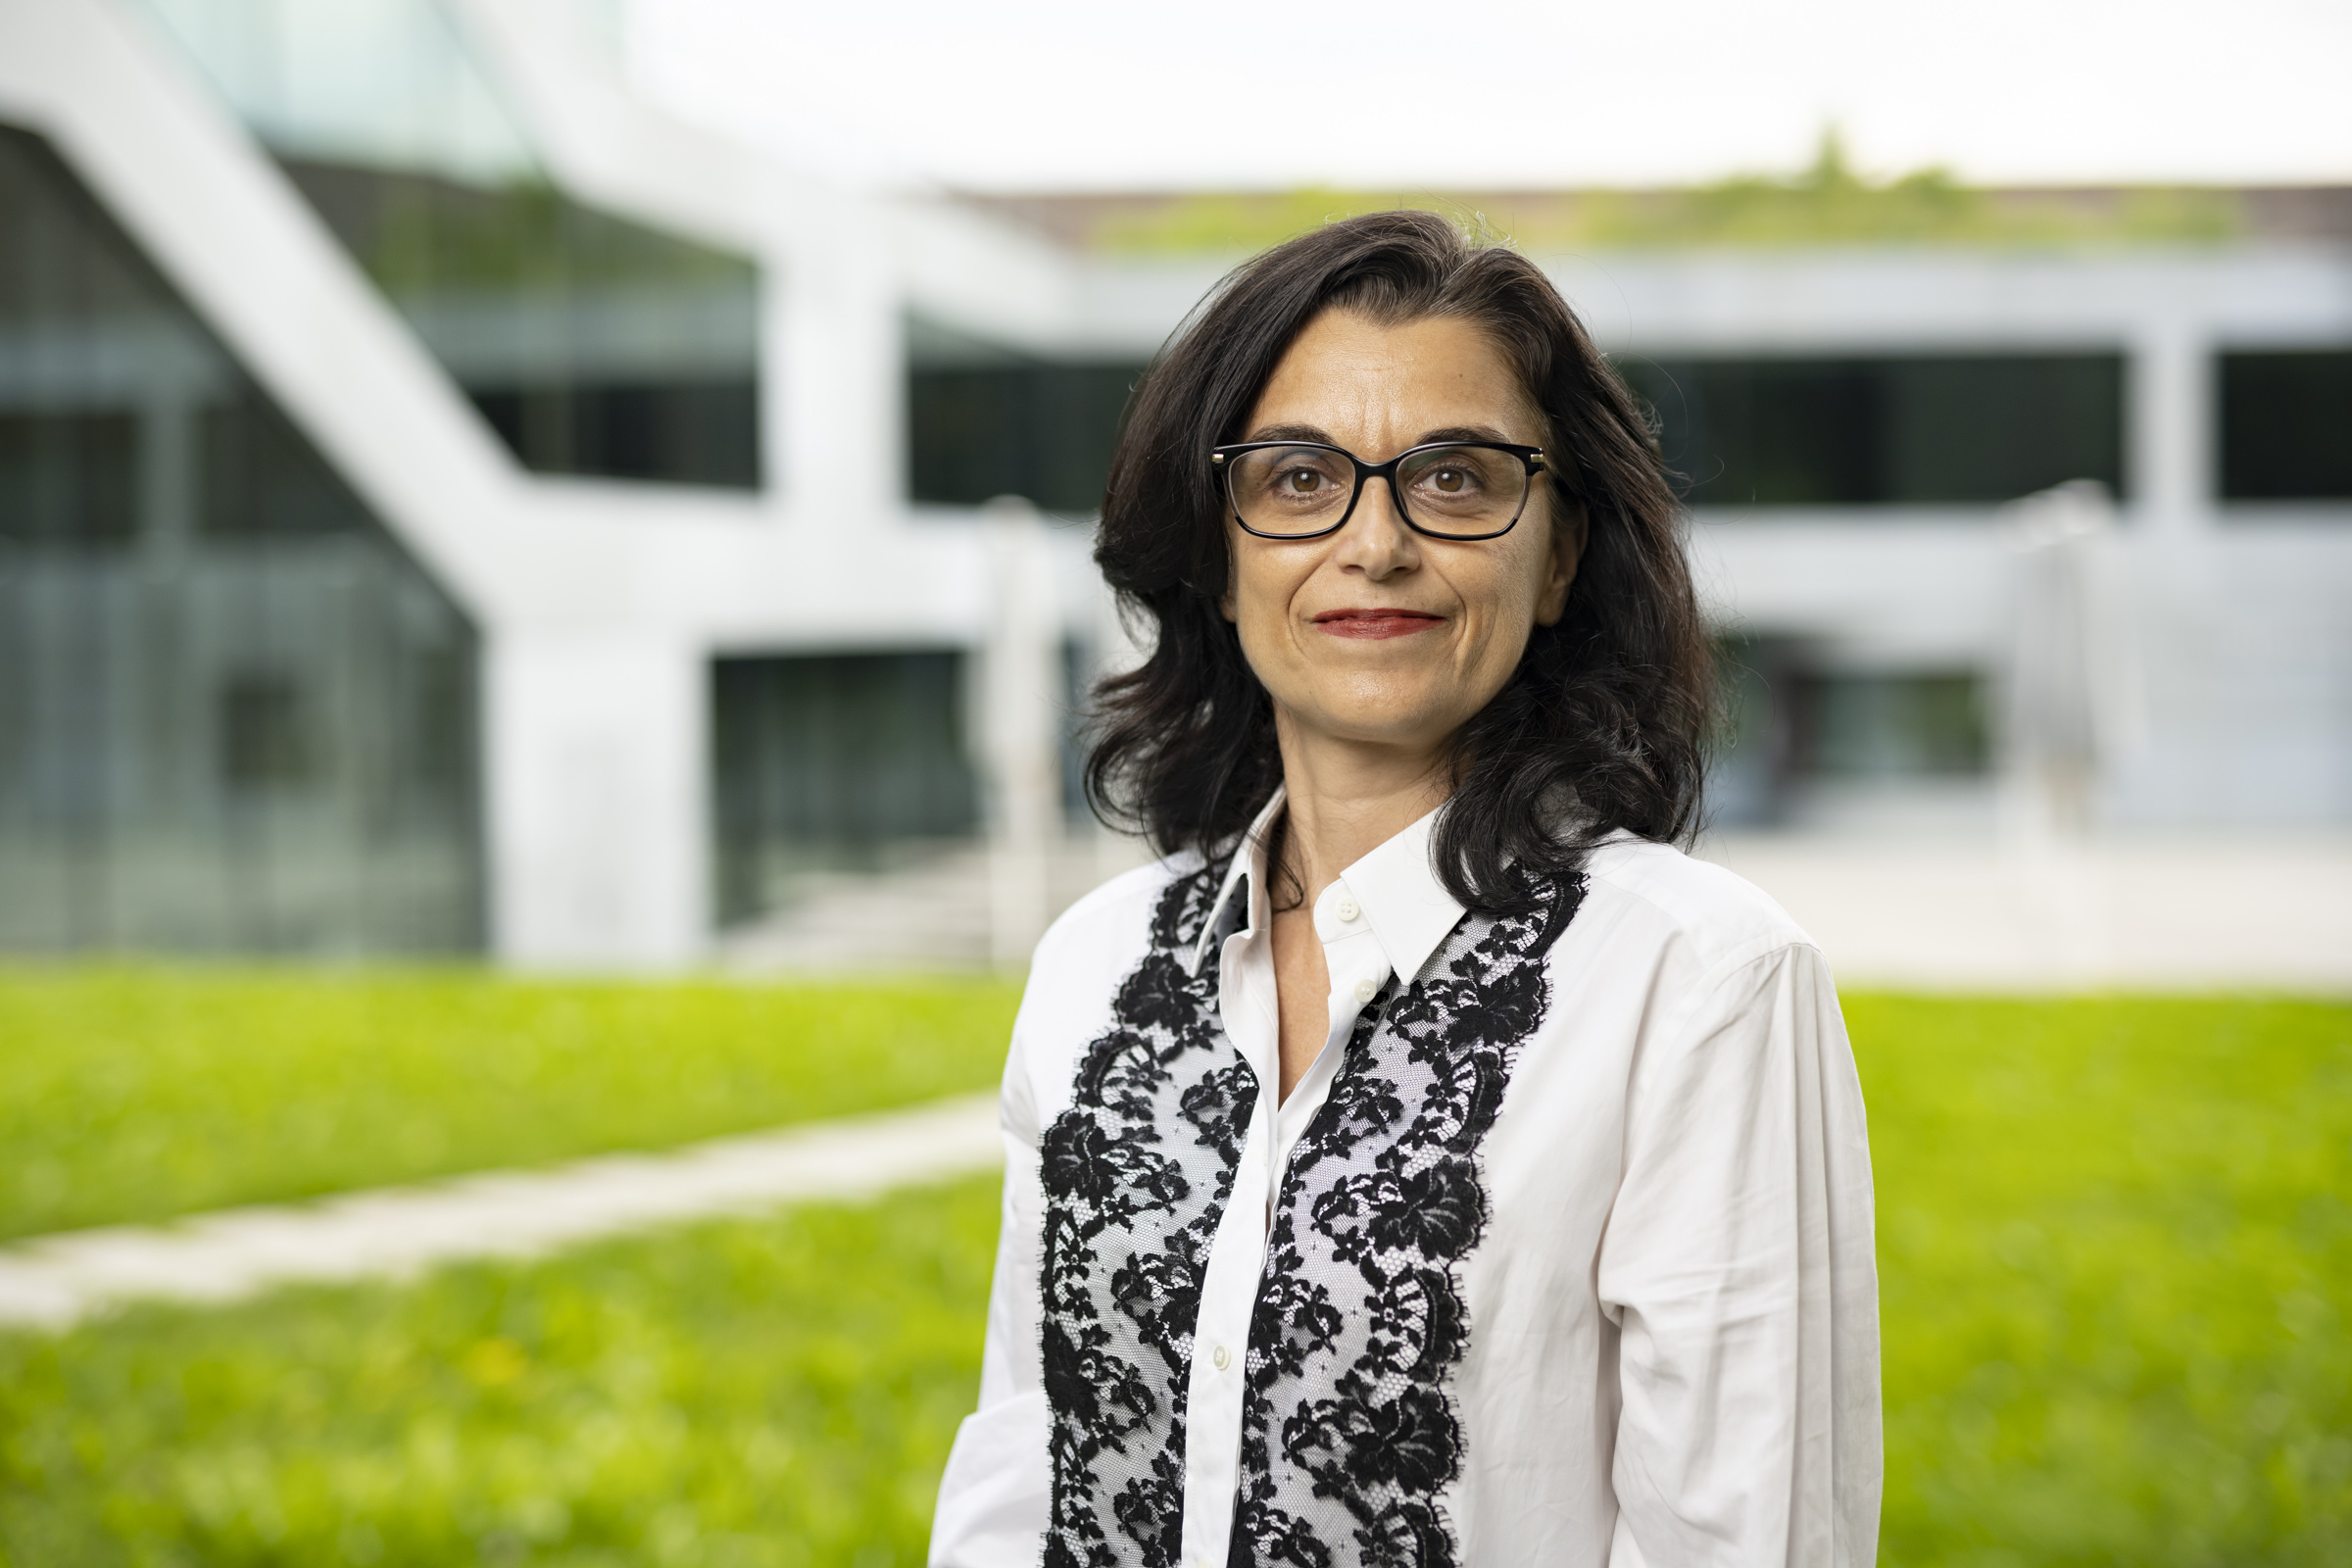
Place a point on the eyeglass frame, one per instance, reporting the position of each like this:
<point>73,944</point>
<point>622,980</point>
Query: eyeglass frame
<point>1220,458</point>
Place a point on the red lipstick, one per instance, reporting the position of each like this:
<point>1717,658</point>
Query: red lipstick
<point>1375,624</point>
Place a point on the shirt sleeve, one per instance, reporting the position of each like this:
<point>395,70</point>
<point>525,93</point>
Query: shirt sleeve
<point>1740,1269</point>
<point>992,1497</point>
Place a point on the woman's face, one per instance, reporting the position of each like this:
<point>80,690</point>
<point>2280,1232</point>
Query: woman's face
<point>1377,634</point>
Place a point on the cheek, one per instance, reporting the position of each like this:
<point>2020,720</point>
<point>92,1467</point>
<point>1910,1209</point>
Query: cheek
<point>1257,598</point>
<point>1509,589</point>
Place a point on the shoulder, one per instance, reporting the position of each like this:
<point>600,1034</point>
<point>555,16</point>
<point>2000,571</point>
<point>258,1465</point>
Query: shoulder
<point>1704,972</point>
<point>1074,976</point>
<point>1718,919</point>
<point>1115,917</point>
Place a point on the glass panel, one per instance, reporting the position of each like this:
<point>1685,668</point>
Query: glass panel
<point>234,714</point>
<point>593,345</point>
<point>1748,768</point>
<point>1940,430</point>
<point>385,82</point>
<point>2286,426</point>
<point>831,761</point>
<point>985,421</point>
<point>1868,725</point>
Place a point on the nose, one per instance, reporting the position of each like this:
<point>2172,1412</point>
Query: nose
<point>1376,540</point>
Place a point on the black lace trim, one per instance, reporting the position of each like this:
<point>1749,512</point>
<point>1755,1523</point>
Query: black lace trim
<point>1136,1175</point>
<point>1350,1429</point>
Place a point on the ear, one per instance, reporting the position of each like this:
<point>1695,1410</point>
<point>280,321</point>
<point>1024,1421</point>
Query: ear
<point>1569,534</point>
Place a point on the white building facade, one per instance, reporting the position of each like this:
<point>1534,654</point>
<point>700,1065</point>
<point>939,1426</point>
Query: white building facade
<point>637,528</point>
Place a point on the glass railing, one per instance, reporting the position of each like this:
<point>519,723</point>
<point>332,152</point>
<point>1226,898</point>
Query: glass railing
<point>591,344</point>
<point>234,715</point>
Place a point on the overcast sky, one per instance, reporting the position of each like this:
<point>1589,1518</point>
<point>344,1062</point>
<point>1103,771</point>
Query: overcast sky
<point>1101,95</point>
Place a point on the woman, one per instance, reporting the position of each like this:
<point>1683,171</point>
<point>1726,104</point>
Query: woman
<point>1424,1163</point>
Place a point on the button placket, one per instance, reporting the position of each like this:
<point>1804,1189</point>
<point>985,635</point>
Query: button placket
<point>1229,1293</point>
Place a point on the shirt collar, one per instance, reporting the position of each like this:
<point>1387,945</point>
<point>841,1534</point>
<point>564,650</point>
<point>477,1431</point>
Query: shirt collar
<point>1407,907</point>
<point>1396,887</point>
<point>1248,861</point>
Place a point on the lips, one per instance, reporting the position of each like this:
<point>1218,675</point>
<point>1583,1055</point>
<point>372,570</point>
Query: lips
<point>1370,625</point>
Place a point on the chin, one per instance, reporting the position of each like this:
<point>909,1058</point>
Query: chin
<point>1390,718</point>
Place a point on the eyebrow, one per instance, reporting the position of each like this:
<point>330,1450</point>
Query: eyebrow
<point>1315,434</point>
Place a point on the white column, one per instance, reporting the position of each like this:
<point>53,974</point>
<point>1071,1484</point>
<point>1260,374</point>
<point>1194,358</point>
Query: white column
<point>596,799</point>
<point>2171,572</point>
<point>833,368</point>
<point>1021,712</point>
<point>2170,439</point>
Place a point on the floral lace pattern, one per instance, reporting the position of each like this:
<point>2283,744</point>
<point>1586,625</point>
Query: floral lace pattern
<point>1349,1432</point>
<point>1136,1175</point>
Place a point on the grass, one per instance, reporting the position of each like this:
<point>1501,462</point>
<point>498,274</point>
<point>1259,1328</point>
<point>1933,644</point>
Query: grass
<point>742,1395</point>
<point>2115,1247</point>
<point>2115,1252</point>
<point>135,1094</point>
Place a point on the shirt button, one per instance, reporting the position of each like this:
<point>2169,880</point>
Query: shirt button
<point>1347,909</point>
<point>1220,1358</point>
<point>1365,990</point>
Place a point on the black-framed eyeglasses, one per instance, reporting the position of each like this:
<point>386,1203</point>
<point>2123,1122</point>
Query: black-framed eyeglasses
<point>1447,489</point>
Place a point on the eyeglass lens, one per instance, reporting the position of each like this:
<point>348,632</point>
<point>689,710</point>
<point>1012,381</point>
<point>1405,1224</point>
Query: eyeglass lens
<point>1443,490</point>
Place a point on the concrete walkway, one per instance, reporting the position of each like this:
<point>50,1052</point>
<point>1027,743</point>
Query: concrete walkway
<point>55,1281</point>
<point>2169,912</point>
<point>1946,911</point>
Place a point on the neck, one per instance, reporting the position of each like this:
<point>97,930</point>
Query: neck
<point>1346,799</point>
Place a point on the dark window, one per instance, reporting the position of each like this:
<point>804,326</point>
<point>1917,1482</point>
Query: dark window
<point>438,747</point>
<point>69,477</point>
<point>1018,427</point>
<point>1878,725</point>
<point>2286,426</point>
<point>262,478</point>
<point>829,760</point>
<point>1749,767</point>
<point>1767,432</point>
<point>705,433</point>
<point>248,722</point>
<point>591,344</point>
<point>264,739</point>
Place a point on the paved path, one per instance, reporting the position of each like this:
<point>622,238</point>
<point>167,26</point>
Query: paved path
<point>54,1281</point>
<point>2168,913</point>
<point>1951,909</point>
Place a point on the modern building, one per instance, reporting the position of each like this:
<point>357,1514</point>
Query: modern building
<point>446,505</point>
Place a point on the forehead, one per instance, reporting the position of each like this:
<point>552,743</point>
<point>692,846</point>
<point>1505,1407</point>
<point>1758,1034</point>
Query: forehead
<point>1430,372</point>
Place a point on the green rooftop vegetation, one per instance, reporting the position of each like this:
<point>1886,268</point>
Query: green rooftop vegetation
<point>1829,203</point>
<point>419,234</point>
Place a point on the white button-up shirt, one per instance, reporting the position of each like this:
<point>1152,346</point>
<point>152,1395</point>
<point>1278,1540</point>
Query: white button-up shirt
<point>1671,1352</point>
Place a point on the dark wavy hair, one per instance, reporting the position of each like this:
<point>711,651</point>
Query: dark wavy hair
<point>1601,726</point>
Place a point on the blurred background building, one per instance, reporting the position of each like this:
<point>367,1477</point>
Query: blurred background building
<point>448,506</point>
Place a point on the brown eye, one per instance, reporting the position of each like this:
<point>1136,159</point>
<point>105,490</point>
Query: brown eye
<point>1304,482</point>
<point>1450,480</point>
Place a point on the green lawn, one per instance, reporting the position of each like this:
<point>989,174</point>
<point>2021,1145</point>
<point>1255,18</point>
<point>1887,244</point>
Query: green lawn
<point>133,1093</point>
<point>2115,1259</point>
<point>2115,1245</point>
<point>736,1394</point>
